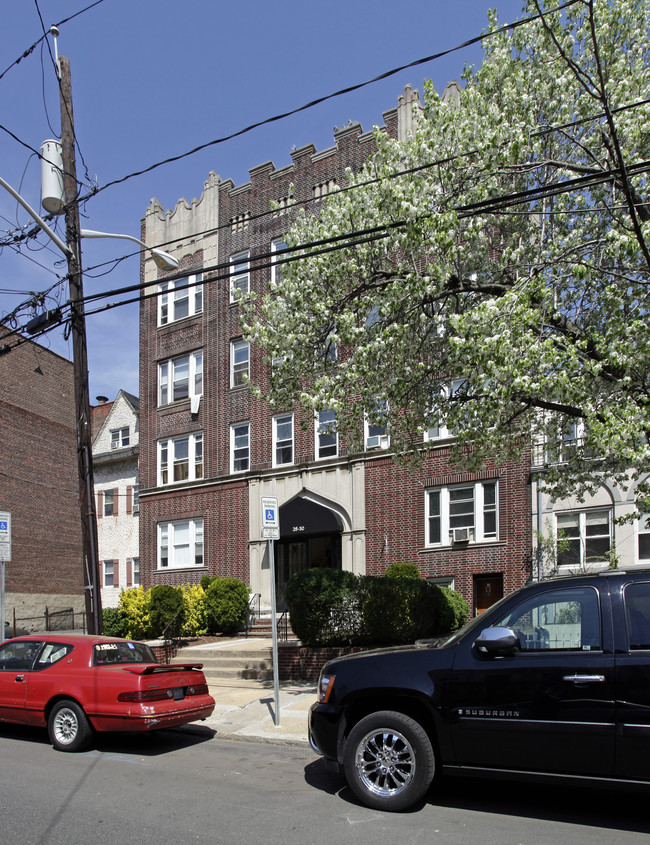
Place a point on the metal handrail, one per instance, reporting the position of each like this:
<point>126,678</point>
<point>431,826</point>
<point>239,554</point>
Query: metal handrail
<point>283,626</point>
<point>171,636</point>
<point>254,610</point>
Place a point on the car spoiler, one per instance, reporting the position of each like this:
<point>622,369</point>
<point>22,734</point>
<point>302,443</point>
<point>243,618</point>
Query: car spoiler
<point>157,668</point>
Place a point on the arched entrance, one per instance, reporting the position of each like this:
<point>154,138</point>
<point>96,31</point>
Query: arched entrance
<point>310,536</point>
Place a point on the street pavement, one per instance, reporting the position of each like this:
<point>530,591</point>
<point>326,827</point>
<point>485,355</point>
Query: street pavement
<point>246,709</point>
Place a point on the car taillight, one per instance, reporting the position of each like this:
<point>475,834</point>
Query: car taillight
<point>146,695</point>
<point>197,689</point>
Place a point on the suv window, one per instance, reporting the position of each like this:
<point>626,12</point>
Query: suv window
<point>637,613</point>
<point>566,619</point>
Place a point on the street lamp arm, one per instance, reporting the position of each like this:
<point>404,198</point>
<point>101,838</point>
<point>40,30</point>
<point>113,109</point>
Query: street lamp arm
<point>39,220</point>
<point>163,260</point>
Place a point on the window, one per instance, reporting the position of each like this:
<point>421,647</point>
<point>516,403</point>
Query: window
<point>239,362</point>
<point>436,431</point>
<point>283,440</point>
<point>326,435</point>
<point>180,544</point>
<point>179,299</point>
<point>565,619</point>
<point>644,538</point>
<point>109,573</point>
<point>276,269</point>
<point>119,438</point>
<point>109,502</point>
<point>462,514</point>
<point>136,498</point>
<point>136,572</point>
<point>180,378</point>
<point>239,274</point>
<point>376,433</point>
<point>583,538</point>
<point>180,459</point>
<point>240,447</point>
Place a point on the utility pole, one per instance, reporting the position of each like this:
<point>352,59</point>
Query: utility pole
<point>92,592</point>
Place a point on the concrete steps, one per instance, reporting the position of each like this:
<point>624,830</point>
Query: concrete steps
<point>237,660</point>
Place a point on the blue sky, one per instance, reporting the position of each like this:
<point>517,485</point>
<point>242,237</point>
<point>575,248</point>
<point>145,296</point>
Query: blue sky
<point>152,79</point>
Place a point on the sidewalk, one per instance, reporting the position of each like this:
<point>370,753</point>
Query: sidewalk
<point>246,709</point>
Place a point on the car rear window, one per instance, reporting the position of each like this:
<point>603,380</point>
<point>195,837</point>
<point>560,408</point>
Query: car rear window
<point>105,654</point>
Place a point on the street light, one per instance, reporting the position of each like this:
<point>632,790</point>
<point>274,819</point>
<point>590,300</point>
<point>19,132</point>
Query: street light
<point>163,260</point>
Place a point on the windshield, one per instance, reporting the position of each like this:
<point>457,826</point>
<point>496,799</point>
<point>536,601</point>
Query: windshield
<point>122,652</point>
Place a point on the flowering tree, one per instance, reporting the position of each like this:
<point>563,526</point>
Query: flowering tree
<point>492,274</point>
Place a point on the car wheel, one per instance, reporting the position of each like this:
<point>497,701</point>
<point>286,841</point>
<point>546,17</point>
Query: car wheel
<point>68,727</point>
<point>388,761</point>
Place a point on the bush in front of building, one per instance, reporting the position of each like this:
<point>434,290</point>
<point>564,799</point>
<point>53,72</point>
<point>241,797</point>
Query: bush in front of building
<point>165,609</point>
<point>114,622</point>
<point>330,607</point>
<point>134,603</point>
<point>403,570</point>
<point>196,623</point>
<point>226,605</point>
<point>323,606</point>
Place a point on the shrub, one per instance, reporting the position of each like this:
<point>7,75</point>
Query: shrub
<point>323,606</point>
<point>134,603</point>
<point>114,620</point>
<point>403,570</point>
<point>165,606</point>
<point>205,581</point>
<point>194,610</point>
<point>226,604</point>
<point>396,611</point>
<point>458,606</point>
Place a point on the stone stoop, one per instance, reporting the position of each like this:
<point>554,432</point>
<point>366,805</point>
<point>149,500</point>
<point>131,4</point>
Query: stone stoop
<point>263,627</point>
<point>221,665</point>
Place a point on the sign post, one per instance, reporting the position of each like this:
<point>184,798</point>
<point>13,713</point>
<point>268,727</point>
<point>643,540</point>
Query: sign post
<point>5,555</point>
<point>271,532</point>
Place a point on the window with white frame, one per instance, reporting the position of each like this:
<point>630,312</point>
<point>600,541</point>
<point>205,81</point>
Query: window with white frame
<point>180,378</point>
<point>644,538</point>
<point>136,498</point>
<point>240,447</point>
<point>239,274</point>
<point>464,513</point>
<point>239,362</point>
<point>109,502</point>
<point>376,429</point>
<point>109,573</point>
<point>136,572</point>
<point>180,544</point>
<point>278,245</point>
<point>180,298</point>
<point>437,431</point>
<point>283,440</point>
<point>583,538</point>
<point>120,438</point>
<point>180,458</point>
<point>326,435</point>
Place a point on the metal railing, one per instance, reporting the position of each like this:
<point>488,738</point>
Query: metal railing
<point>254,611</point>
<point>172,635</point>
<point>50,620</point>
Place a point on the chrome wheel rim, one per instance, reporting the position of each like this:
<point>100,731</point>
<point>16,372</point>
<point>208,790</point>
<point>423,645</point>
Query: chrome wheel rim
<point>385,762</point>
<point>66,726</point>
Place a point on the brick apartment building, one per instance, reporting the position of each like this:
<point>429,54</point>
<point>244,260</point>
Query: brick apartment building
<point>209,450</point>
<point>39,482</point>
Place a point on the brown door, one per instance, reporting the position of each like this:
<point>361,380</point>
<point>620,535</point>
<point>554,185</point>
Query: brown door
<point>488,589</point>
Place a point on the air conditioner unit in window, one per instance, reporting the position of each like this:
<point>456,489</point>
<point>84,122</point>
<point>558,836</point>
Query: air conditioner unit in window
<point>460,535</point>
<point>377,441</point>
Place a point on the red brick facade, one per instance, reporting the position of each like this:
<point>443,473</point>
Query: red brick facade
<point>39,478</point>
<point>377,507</point>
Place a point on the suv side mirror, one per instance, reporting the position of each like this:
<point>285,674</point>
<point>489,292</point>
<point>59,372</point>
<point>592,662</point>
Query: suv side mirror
<point>497,640</point>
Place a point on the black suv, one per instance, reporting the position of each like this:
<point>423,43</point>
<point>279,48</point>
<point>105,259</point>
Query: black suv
<point>551,683</point>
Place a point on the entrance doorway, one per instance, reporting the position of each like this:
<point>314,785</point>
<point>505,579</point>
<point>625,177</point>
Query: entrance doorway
<point>488,589</point>
<point>310,537</point>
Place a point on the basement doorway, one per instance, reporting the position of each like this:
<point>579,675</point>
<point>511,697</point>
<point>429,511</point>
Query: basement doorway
<point>310,537</point>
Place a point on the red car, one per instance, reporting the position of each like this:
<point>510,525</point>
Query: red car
<point>77,684</point>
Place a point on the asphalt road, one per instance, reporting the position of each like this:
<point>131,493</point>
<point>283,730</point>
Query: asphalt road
<point>186,786</point>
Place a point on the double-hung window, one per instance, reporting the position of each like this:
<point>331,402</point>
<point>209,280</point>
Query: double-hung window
<point>643,532</point>
<point>278,245</point>
<point>180,458</point>
<point>464,513</point>
<point>180,544</point>
<point>583,538</point>
<point>376,429</point>
<point>239,362</point>
<point>239,274</point>
<point>438,430</point>
<point>240,447</point>
<point>179,299</point>
<point>120,438</point>
<point>283,440</point>
<point>326,435</point>
<point>180,378</point>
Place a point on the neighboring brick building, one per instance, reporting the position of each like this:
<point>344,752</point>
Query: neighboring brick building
<point>39,482</point>
<point>115,462</point>
<point>209,450</point>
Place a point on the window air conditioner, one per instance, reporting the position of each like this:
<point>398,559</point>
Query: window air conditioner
<point>377,441</point>
<point>460,535</point>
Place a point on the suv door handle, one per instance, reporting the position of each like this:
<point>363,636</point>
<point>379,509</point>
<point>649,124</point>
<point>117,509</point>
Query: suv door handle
<point>585,679</point>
